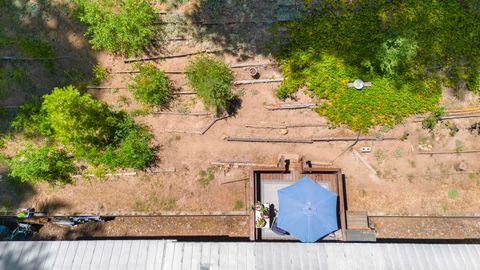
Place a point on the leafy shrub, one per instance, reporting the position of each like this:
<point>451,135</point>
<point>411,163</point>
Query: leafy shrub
<point>40,164</point>
<point>78,120</point>
<point>402,48</point>
<point>212,80</point>
<point>131,147</point>
<point>88,128</point>
<point>431,121</point>
<point>151,86</point>
<point>31,120</point>
<point>100,74</point>
<point>126,30</point>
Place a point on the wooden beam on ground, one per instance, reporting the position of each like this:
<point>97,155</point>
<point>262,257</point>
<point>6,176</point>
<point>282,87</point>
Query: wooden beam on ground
<point>449,117</point>
<point>138,71</point>
<point>161,170</point>
<point>211,123</point>
<point>238,163</point>
<point>285,126</point>
<point>153,58</point>
<point>13,58</point>
<point>251,65</point>
<point>449,152</point>
<point>288,107</point>
<point>203,130</point>
<point>352,139</point>
<point>105,87</point>
<point>184,114</point>
<point>107,174</point>
<point>257,81</point>
<point>267,139</point>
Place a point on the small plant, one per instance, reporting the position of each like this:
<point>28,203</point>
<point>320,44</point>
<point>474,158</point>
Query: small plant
<point>99,206</point>
<point>168,204</point>
<point>431,121</point>
<point>182,108</point>
<point>238,205</point>
<point>151,86</point>
<point>379,155</point>
<point>100,74</point>
<point>410,177</point>
<point>459,146</point>
<point>206,176</point>
<point>453,193</point>
<point>397,153</point>
<point>412,163</point>
<point>453,129</point>
<point>212,80</point>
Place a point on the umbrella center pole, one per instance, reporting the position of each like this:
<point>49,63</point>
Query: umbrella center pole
<point>309,209</point>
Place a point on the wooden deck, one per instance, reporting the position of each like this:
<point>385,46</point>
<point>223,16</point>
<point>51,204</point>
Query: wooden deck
<point>330,176</point>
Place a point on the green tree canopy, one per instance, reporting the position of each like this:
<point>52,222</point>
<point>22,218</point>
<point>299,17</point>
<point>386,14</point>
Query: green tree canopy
<point>407,49</point>
<point>78,119</point>
<point>118,26</point>
<point>41,164</point>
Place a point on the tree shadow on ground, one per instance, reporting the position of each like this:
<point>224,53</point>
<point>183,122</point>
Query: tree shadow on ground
<point>13,193</point>
<point>35,29</point>
<point>240,26</point>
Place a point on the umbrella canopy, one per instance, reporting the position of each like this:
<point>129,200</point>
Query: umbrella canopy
<point>307,210</point>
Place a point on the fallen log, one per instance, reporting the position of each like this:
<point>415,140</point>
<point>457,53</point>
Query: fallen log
<point>288,107</point>
<point>257,81</point>
<point>267,139</point>
<point>131,60</point>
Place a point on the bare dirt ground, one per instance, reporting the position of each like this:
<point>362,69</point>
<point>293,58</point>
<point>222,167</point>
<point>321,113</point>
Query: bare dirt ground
<point>151,227</point>
<point>403,183</point>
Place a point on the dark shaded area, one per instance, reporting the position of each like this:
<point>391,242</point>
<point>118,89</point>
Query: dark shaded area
<point>234,105</point>
<point>51,23</point>
<point>13,193</point>
<point>239,26</point>
<point>51,206</point>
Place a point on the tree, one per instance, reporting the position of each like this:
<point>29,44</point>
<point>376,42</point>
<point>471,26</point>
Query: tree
<point>76,119</point>
<point>212,80</point>
<point>126,30</point>
<point>151,86</point>
<point>39,164</point>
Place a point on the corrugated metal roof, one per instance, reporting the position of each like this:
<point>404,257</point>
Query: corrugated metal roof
<point>172,255</point>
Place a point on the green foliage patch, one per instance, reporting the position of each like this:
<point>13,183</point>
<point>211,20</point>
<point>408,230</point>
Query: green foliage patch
<point>44,163</point>
<point>406,49</point>
<point>211,79</point>
<point>88,128</point>
<point>118,26</point>
<point>151,86</point>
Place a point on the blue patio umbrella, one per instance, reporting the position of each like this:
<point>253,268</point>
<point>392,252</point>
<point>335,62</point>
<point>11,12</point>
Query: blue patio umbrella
<point>307,210</point>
